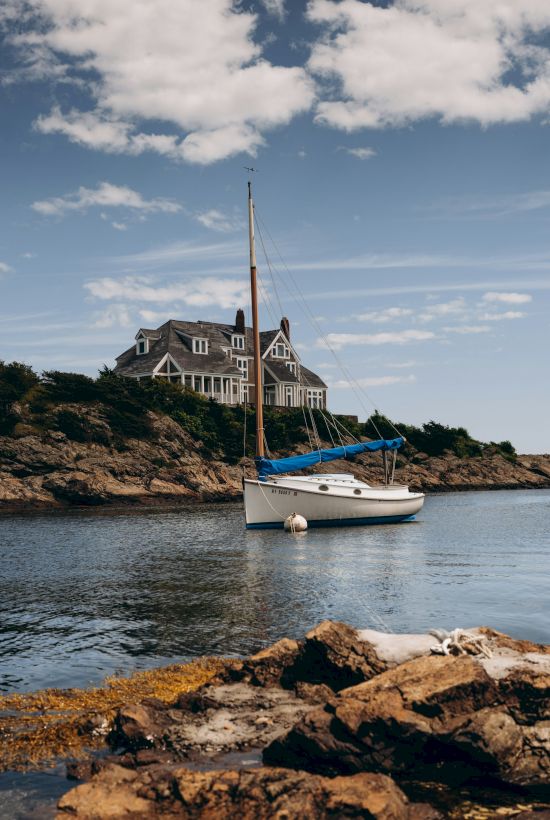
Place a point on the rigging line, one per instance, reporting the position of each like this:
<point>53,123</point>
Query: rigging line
<point>336,428</point>
<point>307,428</point>
<point>353,383</point>
<point>269,266</point>
<point>316,326</point>
<point>346,432</point>
<point>327,426</point>
<point>314,429</point>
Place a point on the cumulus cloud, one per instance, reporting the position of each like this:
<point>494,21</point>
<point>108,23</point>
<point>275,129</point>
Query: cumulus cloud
<point>5,268</point>
<point>105,195</point>
<point>441,309</point>
<point>192,65</point>
<point>338,340</point>
<point>449,59</point>
<point>217,220</point>
<point>275,7</point>
<point>507,297</point>
<point>207,292</point>
<point>116,315</point>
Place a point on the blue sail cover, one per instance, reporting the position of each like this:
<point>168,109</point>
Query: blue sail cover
<point>267,466</point>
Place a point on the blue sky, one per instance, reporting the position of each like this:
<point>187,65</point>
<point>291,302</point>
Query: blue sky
<point>403,156</point>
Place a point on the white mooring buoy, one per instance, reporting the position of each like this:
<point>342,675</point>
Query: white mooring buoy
<point>295,523</point>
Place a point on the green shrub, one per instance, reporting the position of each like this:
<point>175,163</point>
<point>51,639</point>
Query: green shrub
<point>78,427</point>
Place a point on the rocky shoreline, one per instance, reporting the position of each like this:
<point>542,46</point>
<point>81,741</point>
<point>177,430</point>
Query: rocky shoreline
<point>344,723</point>
<point>48,471</point>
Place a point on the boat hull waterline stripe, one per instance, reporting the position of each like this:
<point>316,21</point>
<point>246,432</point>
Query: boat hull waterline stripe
<point>268,466</point>
<point>337,522</point>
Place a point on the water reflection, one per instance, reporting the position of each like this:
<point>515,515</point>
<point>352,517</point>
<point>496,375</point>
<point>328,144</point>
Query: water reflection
<point>83,595</point>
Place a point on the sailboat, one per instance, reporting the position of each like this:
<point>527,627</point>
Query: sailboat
<point>324,500</point>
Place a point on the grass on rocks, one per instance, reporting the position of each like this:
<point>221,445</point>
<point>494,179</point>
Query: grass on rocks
<point>38,728</point>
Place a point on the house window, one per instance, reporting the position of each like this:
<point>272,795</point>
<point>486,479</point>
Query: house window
<point>245,393</point>
<point>288,391</point>
<point>315,398</point>
<point>238,342</point>
<point>200,346</point>
<point>280,351</point>
<point>291,366</point>
<point>141,347</point>
<point>242,364</point>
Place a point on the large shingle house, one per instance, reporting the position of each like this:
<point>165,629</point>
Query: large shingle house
<point>217,360</point>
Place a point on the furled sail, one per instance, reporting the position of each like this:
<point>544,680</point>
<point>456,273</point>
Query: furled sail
<point>267,466</point>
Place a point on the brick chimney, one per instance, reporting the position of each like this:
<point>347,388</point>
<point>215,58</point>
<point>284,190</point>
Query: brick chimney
<point>239,321</point>
<point>285,327</point>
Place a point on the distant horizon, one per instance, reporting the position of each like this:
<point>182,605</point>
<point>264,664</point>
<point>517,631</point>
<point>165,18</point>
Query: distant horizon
<point>402,156</point>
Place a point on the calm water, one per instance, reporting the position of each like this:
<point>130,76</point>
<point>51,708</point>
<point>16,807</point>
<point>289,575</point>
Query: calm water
<point>86,594</point>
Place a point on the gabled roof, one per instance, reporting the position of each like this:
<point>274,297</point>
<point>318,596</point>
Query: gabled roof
<point>174,337</point>
<point>148,333</point>
<point>311,379</point>
<point>281,372</point>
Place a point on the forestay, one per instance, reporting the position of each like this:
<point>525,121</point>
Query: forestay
<point>267,466</point>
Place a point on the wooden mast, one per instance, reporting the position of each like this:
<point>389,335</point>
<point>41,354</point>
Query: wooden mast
<point>258,386</point>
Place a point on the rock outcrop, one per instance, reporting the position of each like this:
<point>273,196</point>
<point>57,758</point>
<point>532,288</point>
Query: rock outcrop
<point>258,794</point>
<point>50,470</point>
<point>47,469</point>
<point>411,716</point>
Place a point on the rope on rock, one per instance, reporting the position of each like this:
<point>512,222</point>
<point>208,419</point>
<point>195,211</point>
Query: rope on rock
<point>459,642</point>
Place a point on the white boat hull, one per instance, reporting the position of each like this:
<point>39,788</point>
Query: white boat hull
<point>326,503</point>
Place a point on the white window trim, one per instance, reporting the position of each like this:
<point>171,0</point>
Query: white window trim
<point>142,339</point>
<point>280,338</point>
<point>237,338</point>
<point>198,343</point>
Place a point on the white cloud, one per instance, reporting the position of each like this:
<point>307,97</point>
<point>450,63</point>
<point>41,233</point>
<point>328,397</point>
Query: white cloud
<point>223,293</point>
<point>216,220</point>
<point>154,317</point>
<point>360,153</point>
<point>383,316</point>
<point>338,340</point>
<point>467,329</point>
<point>28,255</point>
<point>507,297</point>
<point>275,8</point>
<point>494,207</point>
<point>193,254</point>
<point>116,315</point>
<point>5,268</point>
<point>497,317</point>
<point>193,65</point>
<point>436,311</point>
<point>376,381</point>
<point>449,59</point>
<point>119,226</point>
<point>105,195</point>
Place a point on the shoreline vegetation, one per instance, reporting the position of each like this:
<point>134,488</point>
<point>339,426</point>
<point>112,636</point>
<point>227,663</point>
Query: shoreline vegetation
<point>340,723</point>
<point>69,440</point>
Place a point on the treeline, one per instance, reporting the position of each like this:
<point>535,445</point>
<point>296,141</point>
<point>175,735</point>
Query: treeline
<point>32,403</point>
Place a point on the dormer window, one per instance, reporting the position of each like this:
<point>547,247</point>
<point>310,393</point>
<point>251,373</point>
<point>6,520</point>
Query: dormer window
<point>280,351</point>
<point>237,342</point>
<point>142,346</point>
<point>291,366</point>
<point>200,346</point>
